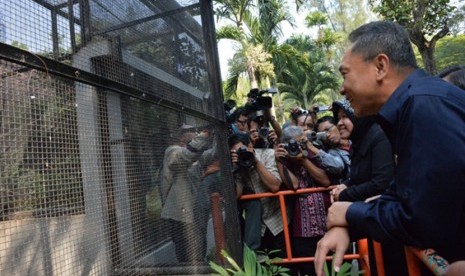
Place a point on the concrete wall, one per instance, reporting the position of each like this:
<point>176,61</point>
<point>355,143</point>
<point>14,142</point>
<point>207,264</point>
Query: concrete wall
<point>68,245</point>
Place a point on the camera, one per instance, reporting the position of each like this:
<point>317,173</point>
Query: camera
<point>259,117</point>
<point>257,108</point>
<point>322,108</point>
<point>299,112</point>
<point>245,159</point>
<point>263,133</point>
<point>260,102</point>
<point>317,138</point>
<point>229,108</point>
<point>263,142</point>
<point>292,148</point>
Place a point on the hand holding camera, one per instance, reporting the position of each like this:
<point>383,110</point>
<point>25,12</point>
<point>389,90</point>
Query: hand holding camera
<point>243,158</point>
<point>293,151</point>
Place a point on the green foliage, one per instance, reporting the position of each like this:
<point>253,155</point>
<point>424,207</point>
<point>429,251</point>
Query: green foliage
<point>450,51</point>
<point>257,27</point>
<point>457,20</point>
<point>425,21</point>
<point>305,73</point>
<point>41,155</point>
<point>430,16</point>
<point>228,32</point>
<point>346,269</point>
<point>252,267</point>
<point>316,18</point>
<point>21,46</point>
<point>234,10</point>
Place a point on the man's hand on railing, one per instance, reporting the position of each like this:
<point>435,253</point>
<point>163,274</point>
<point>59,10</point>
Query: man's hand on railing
<point>336,191</point>
<point>337,214</point>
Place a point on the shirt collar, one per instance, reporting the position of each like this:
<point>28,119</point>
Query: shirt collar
<point>389,111</point>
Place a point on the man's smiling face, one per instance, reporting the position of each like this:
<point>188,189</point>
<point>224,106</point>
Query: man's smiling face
<point>360,85</point>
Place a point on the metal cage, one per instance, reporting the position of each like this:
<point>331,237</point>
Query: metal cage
<point>93,93</point>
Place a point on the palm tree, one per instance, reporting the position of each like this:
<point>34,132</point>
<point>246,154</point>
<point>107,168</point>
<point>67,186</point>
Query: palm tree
<point>306,73</point>
<point>257,37</point>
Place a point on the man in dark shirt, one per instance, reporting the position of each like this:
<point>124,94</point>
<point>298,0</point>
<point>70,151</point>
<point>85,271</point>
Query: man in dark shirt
<point>424,119</point>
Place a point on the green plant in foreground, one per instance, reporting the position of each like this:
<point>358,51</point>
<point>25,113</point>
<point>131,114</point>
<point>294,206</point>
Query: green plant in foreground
<point>267,267</point>
<point>252,267</point>
<point>346,269</point>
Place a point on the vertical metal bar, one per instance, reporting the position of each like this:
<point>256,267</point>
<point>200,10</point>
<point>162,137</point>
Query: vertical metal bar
<point>113,231</point>
<point>287,239</point>
<point>72,33</point>
<point>55,42</point>
<point>379,258</point>
<point>211,51</point>
<point>413,263</point>
<point>218,228</point>
<point>364,259</point>
<point>86,34</point>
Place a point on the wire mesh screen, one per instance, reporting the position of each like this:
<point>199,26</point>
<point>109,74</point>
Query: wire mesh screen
<point>113,157</point>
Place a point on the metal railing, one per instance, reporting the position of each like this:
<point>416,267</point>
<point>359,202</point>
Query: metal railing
<point>362,256</point>
<point>415,257</point>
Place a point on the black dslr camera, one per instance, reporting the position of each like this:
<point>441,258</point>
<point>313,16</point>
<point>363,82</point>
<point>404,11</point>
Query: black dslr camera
<point>292,148</point>
<point>245,159</point>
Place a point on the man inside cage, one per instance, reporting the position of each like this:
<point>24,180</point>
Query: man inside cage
<point>184,198</point>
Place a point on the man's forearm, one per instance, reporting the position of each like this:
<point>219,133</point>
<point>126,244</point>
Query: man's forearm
<point>266,177</point>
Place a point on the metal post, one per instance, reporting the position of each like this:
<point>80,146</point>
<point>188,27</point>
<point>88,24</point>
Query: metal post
<point>218,228</point>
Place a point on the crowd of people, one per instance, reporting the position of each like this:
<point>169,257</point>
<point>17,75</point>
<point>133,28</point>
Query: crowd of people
<point>311,150</point>
<point>393,149</point>
<point>390,184</point>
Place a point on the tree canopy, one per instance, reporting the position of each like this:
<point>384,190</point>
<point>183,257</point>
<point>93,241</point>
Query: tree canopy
<point>425,21</point>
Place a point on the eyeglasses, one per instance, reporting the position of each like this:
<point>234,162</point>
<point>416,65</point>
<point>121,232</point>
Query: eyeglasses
<point>242,122</point>
<point>328,129</point>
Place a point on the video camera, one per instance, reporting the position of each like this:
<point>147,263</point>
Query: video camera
<point>260,102</point>
<point>317,138</point>
<point>322,108</point>
<point>295,114</point>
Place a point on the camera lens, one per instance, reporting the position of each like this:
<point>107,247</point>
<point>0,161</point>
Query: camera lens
<point>263,132</point>
<point>245,158</point>
<point>293,148</point>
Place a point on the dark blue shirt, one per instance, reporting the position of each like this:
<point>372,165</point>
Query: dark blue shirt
<point>424,120</point>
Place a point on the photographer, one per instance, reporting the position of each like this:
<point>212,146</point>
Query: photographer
<point>240,118</point>
<point>260,106</point>
<point>310,210</point>
<point>258,174</point>
<point>303,119</point>
<point>260,133</point>
<point>327,151</point>
<point>183,196</point>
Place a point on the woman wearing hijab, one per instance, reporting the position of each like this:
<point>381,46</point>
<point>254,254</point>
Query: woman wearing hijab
<point>371,172</point>
<point>372,165</point>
